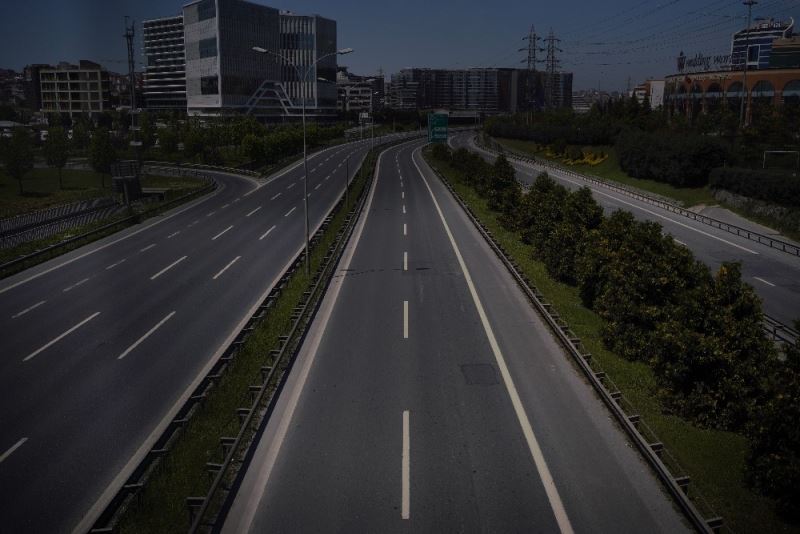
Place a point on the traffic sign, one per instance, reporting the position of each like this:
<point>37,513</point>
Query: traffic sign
<point>437,127</point>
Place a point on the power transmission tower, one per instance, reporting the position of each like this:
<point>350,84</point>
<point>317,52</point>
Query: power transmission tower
<point>533,47</point>
<point>552,66</point>
<point>130,32</point>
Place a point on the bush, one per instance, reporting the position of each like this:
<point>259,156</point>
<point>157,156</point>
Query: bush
<point>778,187</point>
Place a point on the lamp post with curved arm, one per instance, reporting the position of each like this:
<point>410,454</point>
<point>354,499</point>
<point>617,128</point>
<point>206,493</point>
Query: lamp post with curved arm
<point>304,79</point>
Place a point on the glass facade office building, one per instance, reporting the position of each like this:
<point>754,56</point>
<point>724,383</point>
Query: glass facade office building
<point>165,63</point>
<point>225,76</point>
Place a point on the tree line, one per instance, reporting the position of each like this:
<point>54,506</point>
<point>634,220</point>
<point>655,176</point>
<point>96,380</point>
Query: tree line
<point>700,332</point>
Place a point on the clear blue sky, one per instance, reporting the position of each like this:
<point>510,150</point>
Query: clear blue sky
<point>603,42</point>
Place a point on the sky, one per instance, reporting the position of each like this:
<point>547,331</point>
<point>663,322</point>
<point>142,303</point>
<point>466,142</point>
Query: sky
<point>602,42</point>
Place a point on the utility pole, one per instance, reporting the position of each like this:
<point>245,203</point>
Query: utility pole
<point>749,4</point>
<point>552,65</point>
<point>533,47</point>
<point>130,32</point>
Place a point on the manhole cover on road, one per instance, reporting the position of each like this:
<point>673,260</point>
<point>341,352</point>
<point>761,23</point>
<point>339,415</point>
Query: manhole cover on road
<point>479,374</point>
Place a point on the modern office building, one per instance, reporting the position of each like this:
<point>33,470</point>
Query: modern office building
<point>225,76</point>
<point>479,90</point>
<point>359,93</point>
<point>165,64</point>
<point>755,43</point>
<point>73,90</point>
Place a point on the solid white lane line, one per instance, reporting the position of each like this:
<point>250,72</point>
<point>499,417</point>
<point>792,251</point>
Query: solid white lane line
<point>226,268</point>
<point>14,447</point>
<point>73,286</point>
<point>405,261</point>
<point>276,196</point>
<point>170,236</point>
<point>404,209</point>
<point>26,310</point>
<point>405,319</point>
<point>266,233</point>
<point>149,332</point>
<point>527,430</point>
<point>115,264</point>
<point>148,247</point>
<point>59,338</point>
<point>317,187</point>
<point>770,284</point>
<point>222,232</point>
<point>252,212</point>
<point>291,185</point>
<point>290,211</point>
<point>405,508</point>
<point>405,229</point>
<point>167,268</point>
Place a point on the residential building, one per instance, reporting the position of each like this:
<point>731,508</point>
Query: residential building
<point>72,90</point>
<point>652,91</point>
<point>359,93</point>
<point>165,64</point>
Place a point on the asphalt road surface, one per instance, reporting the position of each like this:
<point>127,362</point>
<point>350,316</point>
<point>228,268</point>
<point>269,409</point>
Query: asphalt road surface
<point>430,397</point>
<point>775,275</point>
<point>100,345</point>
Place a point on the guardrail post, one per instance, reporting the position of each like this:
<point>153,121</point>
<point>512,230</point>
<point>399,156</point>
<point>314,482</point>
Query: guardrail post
<point>193,504</point>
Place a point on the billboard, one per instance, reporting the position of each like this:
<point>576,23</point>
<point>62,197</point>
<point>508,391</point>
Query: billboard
<point>437,127</point>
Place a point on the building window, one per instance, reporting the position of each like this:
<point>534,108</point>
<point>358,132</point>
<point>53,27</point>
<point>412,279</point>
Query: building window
<point>208,47</point>
<point>209,85</point>
<point>206,10</point>
<point>752,53</point>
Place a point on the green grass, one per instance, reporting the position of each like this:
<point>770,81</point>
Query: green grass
<point>161,506</point>
<point>714,459</point>
<point>610,170</point>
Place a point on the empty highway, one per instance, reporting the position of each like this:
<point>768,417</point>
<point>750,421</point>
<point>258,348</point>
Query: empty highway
<point>430,397</point>
<point>100,346</point>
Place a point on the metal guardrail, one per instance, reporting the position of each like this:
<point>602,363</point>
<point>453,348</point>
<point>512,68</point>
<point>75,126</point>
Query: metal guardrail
<point>777,244</point>
<point>124,221</point>
<point>780,332</point>
<point>302,317</point>
<point>666,467</point>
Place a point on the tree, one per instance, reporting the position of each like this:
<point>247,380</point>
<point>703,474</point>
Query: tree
<point>147,130</point>
<point>80,134</point>
<point>56,151</point>
<point>773,464</point>
<point>168,140</point>
<point>18,156</point>
<point>253,148</point>
<point>102,154</point>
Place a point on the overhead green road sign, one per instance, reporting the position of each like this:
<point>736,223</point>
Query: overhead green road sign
<point>437,127</point>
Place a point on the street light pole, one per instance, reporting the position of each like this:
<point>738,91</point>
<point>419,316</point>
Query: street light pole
<point>304,79</point>
<point>749,4</point>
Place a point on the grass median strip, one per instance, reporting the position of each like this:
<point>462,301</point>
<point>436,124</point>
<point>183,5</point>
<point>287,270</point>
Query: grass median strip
<point>715,459</point>
<point>161,505</point>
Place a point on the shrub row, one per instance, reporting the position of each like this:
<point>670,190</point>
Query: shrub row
<point>778,187</point>
<point>682,160</point>
<point>701,333</point>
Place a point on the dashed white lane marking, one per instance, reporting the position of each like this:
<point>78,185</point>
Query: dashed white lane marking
<point>556,504</point>
<point>168,267</point>
<point>237,199</point>
<point>276,196</point>
<point>290,211</point>
<point>73,286</point>
<point>317,187</point>
<point>678,241</point>
<point>402,195</point>
<point>266,233</point>
<point>210,214</point>
<point>405,319</point>
<point>11,450</point>
<point>148,334</point>
<point>222,232</point>
<point>173,234</point>
<point>26,310</point>
<point>770,284</point>
<point>148,247</point>
<point>405,500</point>
<point>405,229</point>
<point>59,338</point>
<point>225,206</point>
<point>404,209</point>
<point>291,185</point>
<point>405,261</point>
<point>252,212</point>
<point>115,264</point>
<point>226,267</point>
